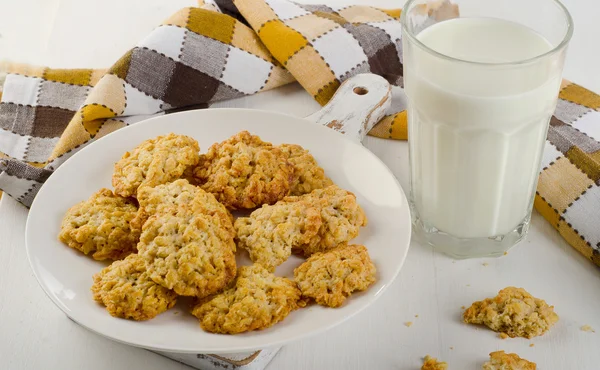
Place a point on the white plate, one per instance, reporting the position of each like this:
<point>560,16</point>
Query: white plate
<point>66,275</point>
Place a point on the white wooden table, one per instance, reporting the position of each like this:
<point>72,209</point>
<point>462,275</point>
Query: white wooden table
<point>34,334</point>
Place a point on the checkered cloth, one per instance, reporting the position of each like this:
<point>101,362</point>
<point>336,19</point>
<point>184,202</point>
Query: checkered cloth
<point>226,49</point>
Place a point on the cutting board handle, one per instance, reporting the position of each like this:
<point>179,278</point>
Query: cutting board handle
<point>359,103</point>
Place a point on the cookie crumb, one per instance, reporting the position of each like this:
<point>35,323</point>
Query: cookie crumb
<point>503,335</point>
<point>588,329</point>
<point>408,324</point>
<point>176,313</point>
<point>463,307</point>
<point>531,344</point>
<point>505,253</point>
<point>430,363</point>
<point>416,315</point>
<point>451,348</point>
<point>501,360</point>
<point>485,264</point>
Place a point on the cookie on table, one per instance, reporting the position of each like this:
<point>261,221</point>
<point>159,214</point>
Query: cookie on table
<point>180,194</point>
<point>188,252</point>
<point>244,172</point>
<point>330,277</point>
<point>257,300</point>
<point>508,361</point>
<point>310,223</point>
<point>430,363</point>
<point>154,162</point>
<point>127,291</point>
<point>514,312</point>
<point>308,175</point>
<point>101,226</point>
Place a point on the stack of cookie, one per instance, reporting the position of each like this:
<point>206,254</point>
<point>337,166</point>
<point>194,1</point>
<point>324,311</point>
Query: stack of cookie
<point>169,230</point>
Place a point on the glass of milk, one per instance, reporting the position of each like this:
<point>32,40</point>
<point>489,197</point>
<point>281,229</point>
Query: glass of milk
<point>482,79</point>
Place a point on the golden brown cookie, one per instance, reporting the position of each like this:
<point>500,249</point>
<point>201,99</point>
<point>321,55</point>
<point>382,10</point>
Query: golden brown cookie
<point>310,223</point>
<point>514,312</point>
<point>330,277</point>
<point>101,226</point>
<point>245,172</point>
<point>127,291</point>
<point>271,231</point>
<point>430,363</point>
<point>257,300</point>
<point>154,162</point>
<point>308,175</point>
<point>507,361</point>
<point>177,195</point>
<point>341,218</point>
<point>188,252</point>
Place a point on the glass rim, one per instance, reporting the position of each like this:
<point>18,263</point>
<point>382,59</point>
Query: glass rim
<point>554,50</point>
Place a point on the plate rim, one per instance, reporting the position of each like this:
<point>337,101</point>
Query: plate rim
<point>237,349</point>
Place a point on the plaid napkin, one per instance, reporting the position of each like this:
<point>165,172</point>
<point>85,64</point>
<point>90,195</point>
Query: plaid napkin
<point>226,49</point>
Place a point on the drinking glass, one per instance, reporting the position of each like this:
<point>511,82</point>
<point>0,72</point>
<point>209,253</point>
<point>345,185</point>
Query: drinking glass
<point>482,79</point>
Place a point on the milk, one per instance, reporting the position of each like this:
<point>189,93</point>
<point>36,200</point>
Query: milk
<point>477,131</point>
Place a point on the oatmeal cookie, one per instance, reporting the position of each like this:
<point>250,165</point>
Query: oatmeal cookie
<point>514,312</point>
<point>508,361</point>
<point>127,291</point>
<point>187,252</point>
<point>330,277</point>
<point>430,363</point>
<point>308,175</point>
<point>341,218</point>
<point>310,223</point>
<point>257,300</point>
<point>271,231</point>
<point>178,195</point>
<point>245,172</point>
<point>154,162</point>
<point>101,226</point>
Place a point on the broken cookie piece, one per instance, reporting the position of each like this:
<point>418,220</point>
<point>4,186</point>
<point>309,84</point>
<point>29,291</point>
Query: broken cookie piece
<point>500,360</point>
<point>513,311</point>
<point>430,363</point>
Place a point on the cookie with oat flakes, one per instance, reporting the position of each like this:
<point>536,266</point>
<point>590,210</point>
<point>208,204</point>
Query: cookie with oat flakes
<point>330,277</point>
<point>308,175</point>
<point>310,223</point>
<point>188,252</point>
<point>101,226</point>
<point>513,311</point>
<point>127,291</point>
<point>177,195</point>
<point>257,300</point>
<point>341,218</point>
<point>244,172</point>
<point>270,232</point>
<point>154,162</point>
